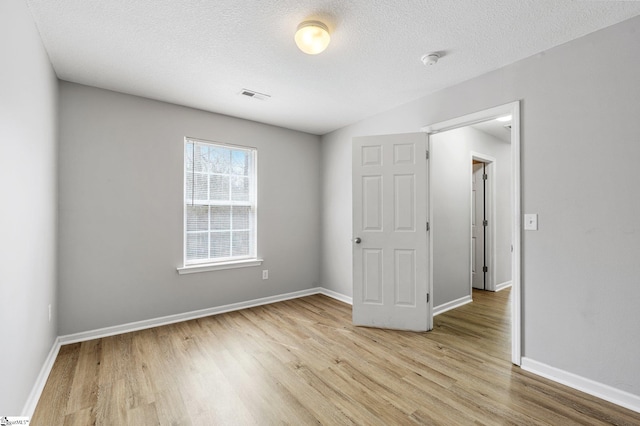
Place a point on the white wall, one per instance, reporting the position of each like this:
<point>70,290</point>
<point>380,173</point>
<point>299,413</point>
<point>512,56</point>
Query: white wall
<point>450,187</point>
<point>121,177</point>
<point>580,146</point>
<point>28,137</point>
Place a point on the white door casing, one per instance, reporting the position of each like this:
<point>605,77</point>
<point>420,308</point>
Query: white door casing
<point>390,238</point>
<point>477,234</point>
<point>490,215</point>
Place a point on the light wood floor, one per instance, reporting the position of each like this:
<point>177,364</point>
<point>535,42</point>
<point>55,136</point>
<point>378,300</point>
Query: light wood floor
<point>302,362</point>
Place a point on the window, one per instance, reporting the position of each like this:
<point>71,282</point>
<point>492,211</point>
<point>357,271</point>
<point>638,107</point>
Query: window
<point>219,203</point>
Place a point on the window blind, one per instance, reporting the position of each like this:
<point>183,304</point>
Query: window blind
<point>220,202</point>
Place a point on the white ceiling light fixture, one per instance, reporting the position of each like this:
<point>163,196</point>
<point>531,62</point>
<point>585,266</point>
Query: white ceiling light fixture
<point>504,119</point>
<point>312,37</point>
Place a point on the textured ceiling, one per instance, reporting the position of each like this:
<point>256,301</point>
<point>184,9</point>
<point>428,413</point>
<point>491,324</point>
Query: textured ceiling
<point>201,53</point>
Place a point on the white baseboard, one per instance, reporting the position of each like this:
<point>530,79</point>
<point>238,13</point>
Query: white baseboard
<point>503,285</point>
<point>335,295</point>
<point>171,319</point>
<point>591,387</point>
<point>602,391</point>
<point>38,387</point>
<point>437,310</point>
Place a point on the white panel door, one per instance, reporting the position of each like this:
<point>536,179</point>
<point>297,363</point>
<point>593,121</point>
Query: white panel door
<point>390,239</point>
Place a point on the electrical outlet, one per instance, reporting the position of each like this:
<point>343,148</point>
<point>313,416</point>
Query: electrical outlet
<point>49,312</point>
<point>265,274</point>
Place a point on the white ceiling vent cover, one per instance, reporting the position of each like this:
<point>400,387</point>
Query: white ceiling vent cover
<point>254,95</point>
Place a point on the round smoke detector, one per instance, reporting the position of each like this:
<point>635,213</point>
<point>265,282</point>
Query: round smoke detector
<point>430,59</point>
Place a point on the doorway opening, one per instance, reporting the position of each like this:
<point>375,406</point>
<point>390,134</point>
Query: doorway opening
<point>482,223</point>
<point>501,257</point>
<point>406,203</point>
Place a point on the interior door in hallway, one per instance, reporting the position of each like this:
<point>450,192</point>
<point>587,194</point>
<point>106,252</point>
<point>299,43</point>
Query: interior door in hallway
<point>390,237</point>
<point>478,241</point>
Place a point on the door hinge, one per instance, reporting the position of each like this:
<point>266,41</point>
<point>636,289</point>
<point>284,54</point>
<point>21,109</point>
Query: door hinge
<point>427,297</point>
<point>427,226</point>
<point>485,222</point>
<point>427,155</point>
<point>485,269</point>
<point>484,176</point>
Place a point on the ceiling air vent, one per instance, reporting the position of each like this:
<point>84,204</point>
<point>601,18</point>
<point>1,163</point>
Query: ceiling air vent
<point>254,95</point>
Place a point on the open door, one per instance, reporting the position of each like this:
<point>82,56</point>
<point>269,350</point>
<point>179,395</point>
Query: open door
<point>390,232</point>
<point>479,223</point>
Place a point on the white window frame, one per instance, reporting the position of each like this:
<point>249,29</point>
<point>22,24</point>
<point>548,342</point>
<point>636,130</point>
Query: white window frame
<point>213,264</point>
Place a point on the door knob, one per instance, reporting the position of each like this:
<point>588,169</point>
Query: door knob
<point>357,240</point>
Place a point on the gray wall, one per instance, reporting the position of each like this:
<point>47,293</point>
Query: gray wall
<point>450,195</point>
<point>450,187</point>
<point>121,177</point>
<point>28,137</point>
<point>580,146</point>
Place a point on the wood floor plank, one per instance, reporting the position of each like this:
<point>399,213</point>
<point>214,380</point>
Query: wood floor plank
<point>143,415</point>
<point>303,362</point>
<point>82,417</point>
<point>111,406</point>
<point>58,388</point>
<point>84,389</point>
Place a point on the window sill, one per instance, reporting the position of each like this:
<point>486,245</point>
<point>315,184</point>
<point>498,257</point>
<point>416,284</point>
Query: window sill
<point>245,263</point>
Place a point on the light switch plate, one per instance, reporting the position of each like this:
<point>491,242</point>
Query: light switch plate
<point>531,222</point>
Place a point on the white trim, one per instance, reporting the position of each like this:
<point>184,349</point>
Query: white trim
<point>245,263</point>
<point>440,309</point>
<point>600,390</point>
<point>252,202</point>
<point>171,319</point>
<point>335,295</point>
<point>516,233</point>
<point>225,144</point>
<point>470,119</point>
<point>45,371</point>
<point>34,396</point>
<point>608,393</point>
<point>490,238</point>
<point>431,310</point>
<point>512,108</point>
<point>503,285</point>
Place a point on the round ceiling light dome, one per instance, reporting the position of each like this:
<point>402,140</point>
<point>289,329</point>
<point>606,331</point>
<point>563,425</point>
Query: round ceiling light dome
<point>312,37</point>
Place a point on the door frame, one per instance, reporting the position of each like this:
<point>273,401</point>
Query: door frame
<point>490,237</point>
<point>513,109</point>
